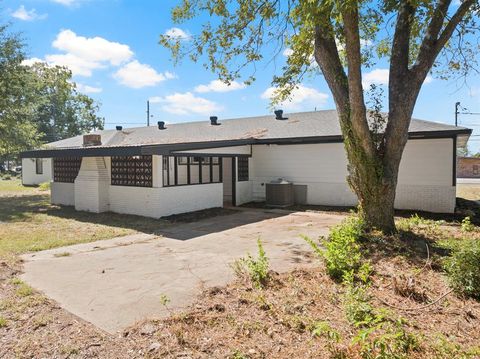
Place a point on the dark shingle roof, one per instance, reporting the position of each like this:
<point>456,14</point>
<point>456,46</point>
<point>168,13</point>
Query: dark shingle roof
<point>297,125</point>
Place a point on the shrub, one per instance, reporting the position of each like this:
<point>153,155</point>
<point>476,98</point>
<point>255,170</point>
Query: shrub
<point>45,186</point>
<point>467,225</point>
<point>342,252</point>
<point>463,267</point>
<point>255,269</point>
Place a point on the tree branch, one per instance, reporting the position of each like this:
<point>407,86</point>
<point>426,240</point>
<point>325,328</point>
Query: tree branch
<point>434,41</point>
<point>358,113</point>
<point>327,57</point>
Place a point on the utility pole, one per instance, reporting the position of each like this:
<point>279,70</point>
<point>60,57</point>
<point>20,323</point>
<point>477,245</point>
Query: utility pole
<point>148,113</point>
<point>457,105</point>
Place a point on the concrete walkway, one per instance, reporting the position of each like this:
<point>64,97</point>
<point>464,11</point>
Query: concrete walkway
<point>114,283</point>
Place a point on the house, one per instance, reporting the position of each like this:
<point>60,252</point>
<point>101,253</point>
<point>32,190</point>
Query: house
<point>468,167</point>
<point>36,171</point>
<point>176,168</point>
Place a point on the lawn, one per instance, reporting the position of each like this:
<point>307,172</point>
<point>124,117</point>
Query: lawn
<point>30,223</point>
<point>470,191</point>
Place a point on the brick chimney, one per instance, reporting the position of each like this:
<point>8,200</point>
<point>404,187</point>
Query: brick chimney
<point>92,140</point>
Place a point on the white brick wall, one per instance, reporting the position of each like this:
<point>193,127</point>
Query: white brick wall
<point>62,193</point>
<point>91,185</point>
<point>160,202</point>
<point>425,177</point>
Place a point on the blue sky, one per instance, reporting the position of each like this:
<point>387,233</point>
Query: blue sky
<point>112,48</point>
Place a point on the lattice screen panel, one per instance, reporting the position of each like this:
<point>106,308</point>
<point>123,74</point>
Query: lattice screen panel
<point>132,171</point>
<point>65,169</point>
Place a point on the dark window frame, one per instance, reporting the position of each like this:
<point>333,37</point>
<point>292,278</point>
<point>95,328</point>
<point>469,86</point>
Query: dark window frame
<point>243,174</point>
<point>131,171</point>
<point>39,166</point>
<point>190,161</point>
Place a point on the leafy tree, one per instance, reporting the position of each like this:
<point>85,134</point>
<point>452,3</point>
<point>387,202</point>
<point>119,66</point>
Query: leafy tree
<point>60,111</point>
<point>16,131</point>
<point>415,36</point>
<point>38,103</point>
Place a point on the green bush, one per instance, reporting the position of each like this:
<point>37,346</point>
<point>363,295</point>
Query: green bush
<point>467,225</point>
<point>257,270</point>
<point>463,267</point>
<point>342,253</point>
<point>45,186</point>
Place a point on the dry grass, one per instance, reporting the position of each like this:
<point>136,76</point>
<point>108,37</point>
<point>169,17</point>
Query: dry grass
<point>470,191</point>
<point>30,223</point>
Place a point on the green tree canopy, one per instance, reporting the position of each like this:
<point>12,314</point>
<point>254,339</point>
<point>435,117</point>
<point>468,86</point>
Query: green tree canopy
<point>38,103</point>
<point>339,39</point>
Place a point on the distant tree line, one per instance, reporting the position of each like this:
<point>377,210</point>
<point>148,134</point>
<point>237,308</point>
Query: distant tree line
<point>38,103</point>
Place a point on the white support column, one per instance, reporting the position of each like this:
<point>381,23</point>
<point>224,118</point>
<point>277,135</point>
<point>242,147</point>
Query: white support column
<point>92,185</point>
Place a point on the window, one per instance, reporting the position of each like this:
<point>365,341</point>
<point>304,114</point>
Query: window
<point>65,169</point>
<point>133,171</point>
<point>242,169</point>
<point>38,166</point>
<point>190,170</point>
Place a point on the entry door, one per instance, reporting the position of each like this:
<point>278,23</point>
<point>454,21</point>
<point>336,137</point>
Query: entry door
<point>228,173</point>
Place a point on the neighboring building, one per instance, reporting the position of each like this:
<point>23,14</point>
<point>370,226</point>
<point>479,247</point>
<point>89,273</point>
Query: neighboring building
<point>36,171</point>
<point>468,167</point>
<point>177,168</point>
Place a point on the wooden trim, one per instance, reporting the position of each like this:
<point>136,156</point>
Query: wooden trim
<point>220,169</point>
<point>200,165</point>
<point>211,169</point>
<point>189,173</point>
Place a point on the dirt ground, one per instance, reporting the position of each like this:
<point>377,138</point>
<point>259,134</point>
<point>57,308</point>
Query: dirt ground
<point>240,321</point>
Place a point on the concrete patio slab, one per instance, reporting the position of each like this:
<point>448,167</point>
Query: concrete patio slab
<point>114,283</point>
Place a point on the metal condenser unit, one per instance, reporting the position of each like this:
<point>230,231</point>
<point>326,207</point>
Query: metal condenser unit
<point>279,193</point>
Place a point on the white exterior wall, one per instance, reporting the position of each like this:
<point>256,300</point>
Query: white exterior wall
<point>62,193</point>
<point>160,202</point>
<point>233,150</point>
<point>425,177</point>
<point>29,172</point>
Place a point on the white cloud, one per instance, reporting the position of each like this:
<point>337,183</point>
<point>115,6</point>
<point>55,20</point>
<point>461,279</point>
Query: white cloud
<point>27,15</point>
<point>219,86</point>
<point>94,49</point>
<point>88,89</point>
<point>287,52</point>
<point>79,66</point>
<point>177,33</point>
<point>381,77</point>
<point>31,61</point>
<point>137,75</point>
<point>66,2</point>
<point>186,103</point>
<point>377,77</point>
<point>303,97</point>
<point>82,55</point>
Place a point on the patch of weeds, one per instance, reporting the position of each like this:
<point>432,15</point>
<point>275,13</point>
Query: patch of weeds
<point>41,321</point>
<point>415,223</point>
<point>342,252</point>
<point>257,270</point>
<point>467,225</point>
<point>3,322</point>
<point>237,354</point>
<point>45,186</point>
<point>62,254</point>
<point>445,349</point>
<point>323,329</point>
<point>68,351</point>
<point>164,300</point>
<point>23,289</point>
<point>386,339</point>
<point>462,266</point>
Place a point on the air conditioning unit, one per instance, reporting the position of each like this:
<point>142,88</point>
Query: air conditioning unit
<point>279,193</point>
